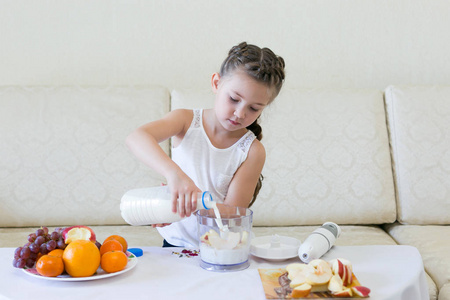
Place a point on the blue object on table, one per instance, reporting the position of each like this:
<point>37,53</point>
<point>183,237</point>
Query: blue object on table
<point>136,251</point>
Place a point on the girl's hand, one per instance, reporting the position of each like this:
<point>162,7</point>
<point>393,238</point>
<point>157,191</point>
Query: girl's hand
<point>184,193</point>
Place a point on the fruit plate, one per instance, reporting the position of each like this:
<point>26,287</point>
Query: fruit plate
<point>270,279</point>
<point>100,274</point>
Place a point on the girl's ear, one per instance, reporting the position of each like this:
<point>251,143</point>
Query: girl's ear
<point>215,82</point>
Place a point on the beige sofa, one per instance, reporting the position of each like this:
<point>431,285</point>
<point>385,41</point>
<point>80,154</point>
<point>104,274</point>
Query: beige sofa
<point>359,134</point>
<point>374,162</point>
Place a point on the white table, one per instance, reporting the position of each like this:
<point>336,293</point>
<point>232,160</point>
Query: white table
<point>391,272</point>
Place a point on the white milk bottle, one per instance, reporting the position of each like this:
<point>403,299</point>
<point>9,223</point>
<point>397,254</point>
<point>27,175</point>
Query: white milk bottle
<point>154,206</point>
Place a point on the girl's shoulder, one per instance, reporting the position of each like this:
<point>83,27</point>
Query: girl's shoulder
<point>182,116</point>
<point>257,150</point>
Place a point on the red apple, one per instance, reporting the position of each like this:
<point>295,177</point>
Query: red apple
<point>335,284</point>
<point>361,291</point>
<point>344,269</point>
<point>320,273</point>
<point>301,291</point>
<point>344,294</point>
<point>349,277</point>
<point>79,232</point>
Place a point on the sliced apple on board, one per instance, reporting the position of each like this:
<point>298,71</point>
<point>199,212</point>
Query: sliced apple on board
<point>302,290</point>
<point>361,291</point>
<point>320,273</point>
<point>335,276</point>
<point>344,269</point>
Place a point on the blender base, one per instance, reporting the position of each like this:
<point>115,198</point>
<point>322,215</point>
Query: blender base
<point>224,268</point>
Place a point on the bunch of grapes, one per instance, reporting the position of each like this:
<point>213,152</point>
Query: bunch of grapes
<point>39,242</point>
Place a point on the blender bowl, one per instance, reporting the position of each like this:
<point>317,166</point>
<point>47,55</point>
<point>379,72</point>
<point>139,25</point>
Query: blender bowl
<point>224,237</point>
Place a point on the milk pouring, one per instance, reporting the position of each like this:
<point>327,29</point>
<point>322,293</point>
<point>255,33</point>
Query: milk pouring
<point>154,206</point>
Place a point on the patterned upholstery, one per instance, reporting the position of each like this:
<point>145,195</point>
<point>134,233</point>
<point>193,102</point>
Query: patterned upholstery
<point>63,160</point>
<point>419,124</point>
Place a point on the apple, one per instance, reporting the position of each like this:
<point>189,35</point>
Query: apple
<point>343,268</point>
<point>79,232</point>
<point>244,237</point>
<point>319,273</point>
<point>344,293</point>
<point>302,290</point>
<point>349,275</point>
<point>205,238</point>
<point>294,268</point>
<point>297,280</point>
<point>335,284</point>
<point>361,291</point>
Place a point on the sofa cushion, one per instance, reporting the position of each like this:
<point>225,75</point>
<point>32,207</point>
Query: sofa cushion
<point>327,157</point>
<point>419,125</point>
<point>433,244</point>
<point>63,159</point>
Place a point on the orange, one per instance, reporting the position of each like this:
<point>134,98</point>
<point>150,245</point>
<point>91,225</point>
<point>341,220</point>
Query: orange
<point>119,238</point>
<point>114,261</point>
<point>56,252</point>
<point>50,266</point>
<point>110,245</point>
<point>81,258</point>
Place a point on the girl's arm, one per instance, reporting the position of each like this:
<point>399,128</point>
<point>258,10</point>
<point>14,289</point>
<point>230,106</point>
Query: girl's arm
<point>144,143</point>
<point>242,186</point>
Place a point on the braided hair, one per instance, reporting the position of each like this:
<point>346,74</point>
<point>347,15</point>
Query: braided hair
<point>265,67</point>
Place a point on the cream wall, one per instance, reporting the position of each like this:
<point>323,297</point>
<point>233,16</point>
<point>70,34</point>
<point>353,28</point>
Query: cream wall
<point>326,43</point>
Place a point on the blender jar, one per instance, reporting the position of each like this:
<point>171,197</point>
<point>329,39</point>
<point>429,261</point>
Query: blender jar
<point>224,237</point>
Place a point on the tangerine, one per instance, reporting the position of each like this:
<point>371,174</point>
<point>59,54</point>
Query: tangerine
<point>114,261</point>
<point>56,252</point>
<point>121,240</point>
<point>50,266</point>
<point>81,258</point>
<point>110,245</point>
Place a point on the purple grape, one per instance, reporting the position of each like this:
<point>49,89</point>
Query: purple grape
<point>43,249</point>
<point>33,255</point>
<point>32,237</point>
<point>54,236</point>
<point>15,262</point>
<point>21,263</point>
<point>45,230</point>
<point>51,245</point>
<point>25,253</point>
<point>40,232</point>
<point>30,263</point>
<point>61,244</point>
<point>39,240</point>
<point>34,248</point>
<point>17,252</point>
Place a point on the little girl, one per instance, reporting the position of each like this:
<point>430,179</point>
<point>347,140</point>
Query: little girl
<point>216,150</point>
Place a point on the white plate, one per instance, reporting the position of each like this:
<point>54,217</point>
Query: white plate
<point>100,274</point>
<point>275,247</point>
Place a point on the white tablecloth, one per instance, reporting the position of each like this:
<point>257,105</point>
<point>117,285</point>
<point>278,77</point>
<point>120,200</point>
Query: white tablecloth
<point>391,272</point>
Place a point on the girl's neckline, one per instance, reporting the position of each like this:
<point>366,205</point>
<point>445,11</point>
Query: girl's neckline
<point>202,126</point>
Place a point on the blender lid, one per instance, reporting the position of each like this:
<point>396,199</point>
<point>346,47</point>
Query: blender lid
<point>275,247</point>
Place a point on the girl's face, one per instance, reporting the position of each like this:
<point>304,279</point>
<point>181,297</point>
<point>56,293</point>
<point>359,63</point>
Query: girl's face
<point>240,99</point>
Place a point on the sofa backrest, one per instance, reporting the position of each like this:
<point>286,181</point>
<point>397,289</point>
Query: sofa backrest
<point>419,124</point>
<point>178,43</point>
<point>327,157</point>
<point>63,158</point>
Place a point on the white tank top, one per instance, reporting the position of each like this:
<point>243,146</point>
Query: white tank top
<point>210,168</point>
